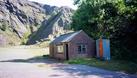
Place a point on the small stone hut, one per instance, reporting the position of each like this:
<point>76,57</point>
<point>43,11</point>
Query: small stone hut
<point>72,45</point>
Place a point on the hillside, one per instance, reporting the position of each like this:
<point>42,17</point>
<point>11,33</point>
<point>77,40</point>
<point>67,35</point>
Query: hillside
<point>24,21</point>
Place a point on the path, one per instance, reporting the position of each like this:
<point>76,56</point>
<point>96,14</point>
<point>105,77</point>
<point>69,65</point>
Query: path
<point>28,63</point>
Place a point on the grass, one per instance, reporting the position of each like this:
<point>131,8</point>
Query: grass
<point>11,38</point>
<point>115,65</point>
<point>43,44</point>
<point>46,56</point>
<point>25,38</point>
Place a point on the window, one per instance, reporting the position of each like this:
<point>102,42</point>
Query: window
<point>81,48</point>
<point>60,48</point>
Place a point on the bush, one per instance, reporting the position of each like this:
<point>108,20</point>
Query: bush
<point>25,38</point>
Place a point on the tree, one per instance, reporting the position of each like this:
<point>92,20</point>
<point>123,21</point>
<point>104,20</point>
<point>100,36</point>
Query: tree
<point>113,19</point>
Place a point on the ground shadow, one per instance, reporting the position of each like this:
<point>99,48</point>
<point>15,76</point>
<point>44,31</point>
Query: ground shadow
<point>37,59</point>
<point>73,70</point>
<point>84,71</point>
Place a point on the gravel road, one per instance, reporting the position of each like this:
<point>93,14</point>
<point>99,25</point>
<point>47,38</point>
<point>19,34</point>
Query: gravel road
<point>27,63</point>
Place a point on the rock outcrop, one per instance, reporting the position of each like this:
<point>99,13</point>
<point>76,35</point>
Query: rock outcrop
<point>32,21</point>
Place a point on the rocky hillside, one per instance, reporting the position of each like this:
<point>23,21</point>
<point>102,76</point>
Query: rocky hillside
<point>24,21</point>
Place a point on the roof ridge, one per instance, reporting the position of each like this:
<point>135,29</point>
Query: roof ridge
<point>66,37</point>
<point>71,32</point>
<point>67,33</point>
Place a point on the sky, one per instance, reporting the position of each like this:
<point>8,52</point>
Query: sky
<point>58,3</point>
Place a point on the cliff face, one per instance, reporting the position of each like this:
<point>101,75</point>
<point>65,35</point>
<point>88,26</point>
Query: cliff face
<point>22,20</point>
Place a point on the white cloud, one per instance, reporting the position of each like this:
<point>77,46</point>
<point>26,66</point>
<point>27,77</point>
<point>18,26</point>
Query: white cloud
<point>58,3</point>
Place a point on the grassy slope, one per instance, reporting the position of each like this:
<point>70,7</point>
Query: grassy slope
<point>115,65</point>
<point>11,37</point>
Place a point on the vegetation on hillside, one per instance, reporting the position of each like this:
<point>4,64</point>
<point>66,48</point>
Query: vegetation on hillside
<point>25,38</point>
<point>113,19</point>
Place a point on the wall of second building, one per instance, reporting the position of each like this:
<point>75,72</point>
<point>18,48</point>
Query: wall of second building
<point>81,38</point>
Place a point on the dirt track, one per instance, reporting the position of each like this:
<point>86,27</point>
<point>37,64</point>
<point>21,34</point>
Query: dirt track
<point>28,63</point>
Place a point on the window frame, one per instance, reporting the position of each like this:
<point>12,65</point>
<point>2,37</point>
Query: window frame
<point>60,49</point>
<point>80,48</point>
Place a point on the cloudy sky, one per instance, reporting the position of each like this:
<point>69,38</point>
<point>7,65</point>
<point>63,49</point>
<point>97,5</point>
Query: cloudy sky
<point>58,3</point>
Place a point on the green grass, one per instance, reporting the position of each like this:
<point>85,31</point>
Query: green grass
<point>43,44</point>
<point>115,65</point>
<point>46,56</point>
<point>25,38</point>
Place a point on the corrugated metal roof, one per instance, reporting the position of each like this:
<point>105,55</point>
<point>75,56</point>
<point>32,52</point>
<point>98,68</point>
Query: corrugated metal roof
<point>65,37</point>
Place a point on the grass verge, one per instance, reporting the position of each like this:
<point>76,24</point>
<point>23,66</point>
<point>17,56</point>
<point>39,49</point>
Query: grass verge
<point>115,65</point>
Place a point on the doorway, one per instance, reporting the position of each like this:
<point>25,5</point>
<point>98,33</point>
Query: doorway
<point>67,54</point>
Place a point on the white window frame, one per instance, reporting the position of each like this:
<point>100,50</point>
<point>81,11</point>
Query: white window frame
<point>60,49</point>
